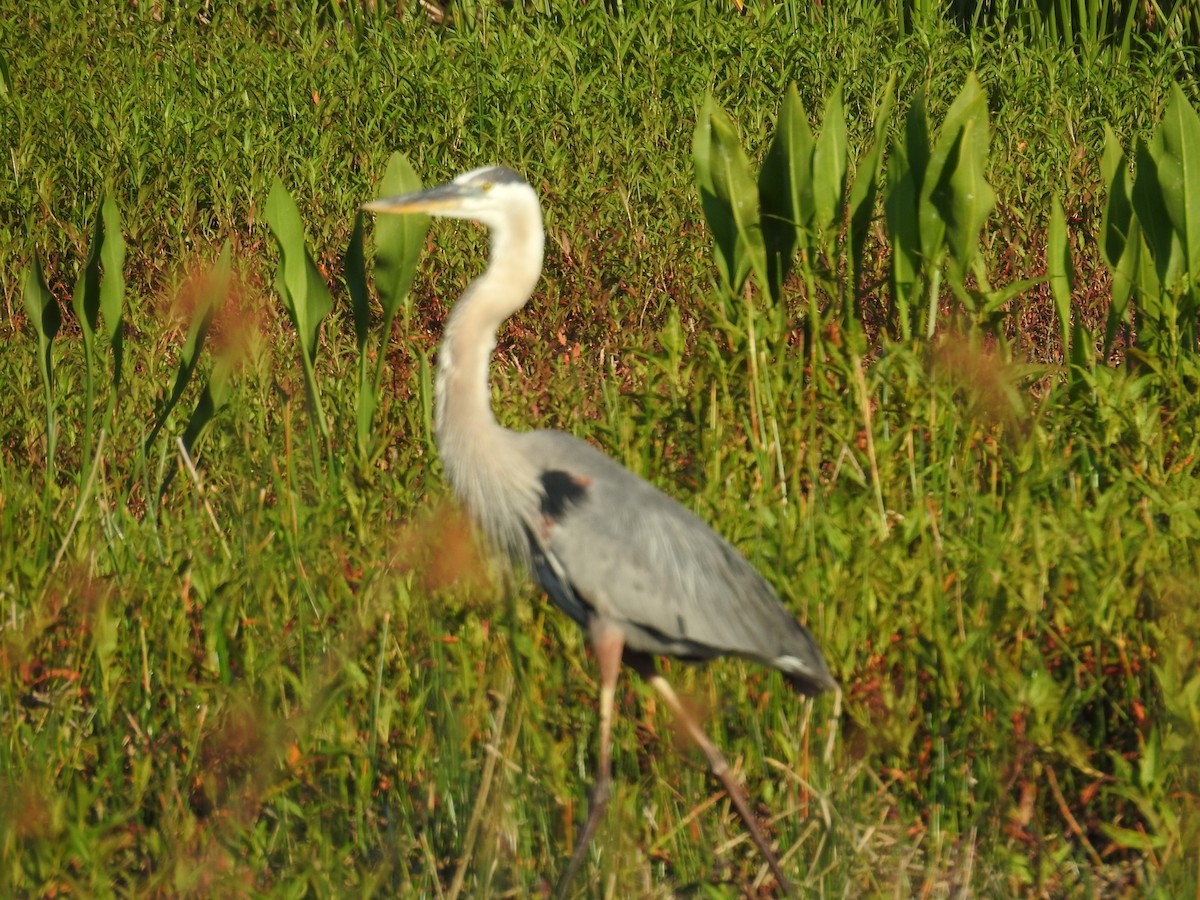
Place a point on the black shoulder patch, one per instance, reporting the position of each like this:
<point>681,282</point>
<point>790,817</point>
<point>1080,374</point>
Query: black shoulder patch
<point>560,491</point>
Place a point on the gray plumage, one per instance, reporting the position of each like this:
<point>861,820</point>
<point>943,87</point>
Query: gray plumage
<point>638,571</point>
<point>617,547</point>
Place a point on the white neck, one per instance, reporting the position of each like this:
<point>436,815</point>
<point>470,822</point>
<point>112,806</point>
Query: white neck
<point>477,453</point>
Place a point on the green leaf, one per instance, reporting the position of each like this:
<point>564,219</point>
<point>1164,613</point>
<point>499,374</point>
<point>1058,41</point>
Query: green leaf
<point>112,257</point>
<point>299,281</point>
<point>956,182</point>
<point>398,244</point>
<point>906,170</point>
<point>829,165</point>
<point>214,396</point>
<point>1150,188</point>
<point>1061,272</point>
<point>45,315</point>
<point>1121,235</point>
<point>85,299</point>
<point>1178,160</point>
<point>1133,840</point>
<point>1075,751</point>
<point>303,288</point>
<point>47,319</point>
<point>398,239</point>
<point>935,180</point>
<point>1083,344</point>
<point>972,197</point>
<point>112,287</point>
<point>729,197</point>
<point>785,190</point>
<point>368,402</point>
<point>1118,208</point>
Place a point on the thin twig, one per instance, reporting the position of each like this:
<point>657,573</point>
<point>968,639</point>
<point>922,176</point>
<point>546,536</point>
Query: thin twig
<point>835,719</point>
<point>712,799</point>
<point>429,858</point>
<point>481,799</point>
<point>195,476</point>
<point>1070,819</point>
<point>821,797</point>
<point>865,401</point>
<point>87,489</point>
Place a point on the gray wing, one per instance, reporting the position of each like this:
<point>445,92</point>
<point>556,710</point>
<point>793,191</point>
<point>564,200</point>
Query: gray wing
<point>612,545</point>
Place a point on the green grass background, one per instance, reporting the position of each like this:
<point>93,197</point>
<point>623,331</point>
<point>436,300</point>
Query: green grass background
<point>294,675</point>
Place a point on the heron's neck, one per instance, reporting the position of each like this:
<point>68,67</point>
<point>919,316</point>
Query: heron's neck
<point>473,446</point>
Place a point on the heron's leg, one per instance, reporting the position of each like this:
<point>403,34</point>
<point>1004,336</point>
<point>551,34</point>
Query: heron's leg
<point>645,667</point>
<point>608,643</point>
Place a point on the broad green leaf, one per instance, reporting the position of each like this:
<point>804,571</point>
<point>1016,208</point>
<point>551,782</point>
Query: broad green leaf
<point>1083,342</point>
<point>956,198</point>
<point>729,197</point>
<point>785,189</point>
<point>45,315</point>
<point>1122,243</point>
<point>716,211</point>
<point>1178,145</point>
<point>1119,231</point>
<point>85,299</point>
<point>1145,276</point>
<point>933,185</point>
<point>1156,176</point>
<point>969,106</point>
<point>1061,272</point>
<point>905,170</point>
<point>829,166</point>
<point>903,235</point>
<point>398,244</point>
<point>303,288</point>
<point>301,284</point>
<point>47,319</point>
<point>112,287</point>
<point>398,239</point>
<point>368,402</point>
<point>112,257</point>
<point>916,138</point>
<point>971,197</point>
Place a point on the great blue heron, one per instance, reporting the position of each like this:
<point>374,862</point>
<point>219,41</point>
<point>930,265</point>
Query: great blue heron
<point>637,571</point>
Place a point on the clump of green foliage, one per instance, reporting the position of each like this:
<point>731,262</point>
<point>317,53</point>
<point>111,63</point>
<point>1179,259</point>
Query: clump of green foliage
<point>939,385</point>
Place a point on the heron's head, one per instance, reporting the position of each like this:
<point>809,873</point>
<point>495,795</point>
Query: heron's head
<point>492,195</point>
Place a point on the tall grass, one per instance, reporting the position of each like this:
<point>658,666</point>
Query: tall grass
<point>284,671</point>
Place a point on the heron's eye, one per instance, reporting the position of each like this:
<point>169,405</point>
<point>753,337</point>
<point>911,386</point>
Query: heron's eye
<point>486,186</point>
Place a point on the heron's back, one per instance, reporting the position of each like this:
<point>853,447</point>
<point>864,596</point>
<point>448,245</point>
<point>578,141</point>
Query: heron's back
<point>615,546</point>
